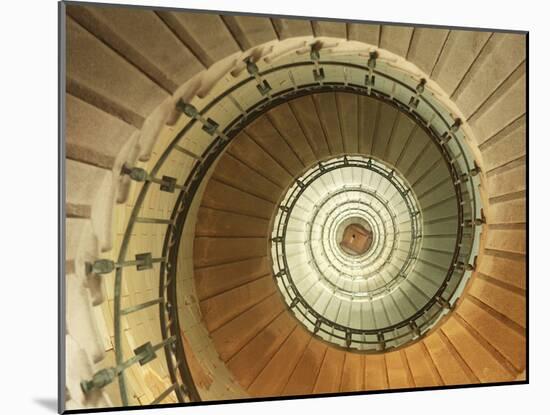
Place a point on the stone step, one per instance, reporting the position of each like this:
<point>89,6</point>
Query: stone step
<point>461,50</point>
<point>205,34</point>
<point>103,78</point>
<point>426,47</point>
<point>142,38</point>
<point>481,361</point>
<point>498,59</point>
<point>508,339</point>
<point>288,28</point>
<point>396,39</point>
<point>329,29</point>
<point>250,31</point>
<point>93,136</point>
<point>367,33</point>
<point>449,364</point>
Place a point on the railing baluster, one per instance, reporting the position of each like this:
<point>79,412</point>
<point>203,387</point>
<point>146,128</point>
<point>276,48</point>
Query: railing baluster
<point>104,266</point>
<point>155,221</point>
<point>167,183</point>
<point>187,152</point>
<point>262,85</point>
<point>208,124</point>
<point>318,72</point>
<point>143,354</point>
<point>164,394</point>
<point>141,306</point>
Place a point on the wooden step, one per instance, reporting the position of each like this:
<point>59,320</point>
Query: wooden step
<point>503,107</point>
<point>397,366</point>
<point>385,123</point>
<point>273,378</point>
<point>501,299</point>
<point>213,280</point>
<point>84,184</point>
<point>330,374</point>
<point>348,116</point>
<point>304,375</point>
<point>376,375</point>
<point>508,271</point>
<point>247,364</point>
<point>216,251</point>
<point>305,112</point>
<point>501,333</point>
<point>212,222</point>
<point>231,171</point>
<point>327,112</point>
<point>282,117</point>
<point>250,153</point>
<point>507,145</point>
<point>235,334</point>
<point>229,197</point>
<point>353,373</point>
<point>223,307</point>
<point>264,133</point>
<point>423,370</point>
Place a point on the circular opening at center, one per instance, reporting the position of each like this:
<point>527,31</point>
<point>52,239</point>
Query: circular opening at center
<point>356,238</point>
<point>341,246</point>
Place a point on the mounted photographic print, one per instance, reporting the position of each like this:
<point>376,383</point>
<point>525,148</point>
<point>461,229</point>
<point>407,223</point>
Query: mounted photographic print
<point>267,206</point>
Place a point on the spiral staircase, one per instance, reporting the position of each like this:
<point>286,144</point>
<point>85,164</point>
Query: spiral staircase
<point>216,164</point>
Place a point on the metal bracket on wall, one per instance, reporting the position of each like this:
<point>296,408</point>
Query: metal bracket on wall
<point>105,266</point>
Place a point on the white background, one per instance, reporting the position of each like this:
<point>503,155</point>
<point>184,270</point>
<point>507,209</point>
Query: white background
<point>28,232</point>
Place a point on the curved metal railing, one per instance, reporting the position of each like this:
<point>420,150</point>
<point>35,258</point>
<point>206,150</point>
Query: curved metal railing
<point>279,235</point>
<point>378,83</point>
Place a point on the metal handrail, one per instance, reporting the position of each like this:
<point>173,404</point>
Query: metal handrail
<point>377,197</point>
<point>184,387</point>
<point>298,190</point>
<point>283,271</point>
